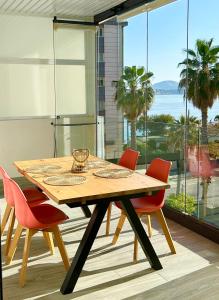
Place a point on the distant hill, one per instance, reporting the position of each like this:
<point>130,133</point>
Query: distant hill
<point>167,87</point>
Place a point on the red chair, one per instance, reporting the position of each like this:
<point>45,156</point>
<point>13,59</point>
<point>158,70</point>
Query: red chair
<point>128,160</point>
<point>151,204</point>
<point>43,218</point>
<point>33,196</point>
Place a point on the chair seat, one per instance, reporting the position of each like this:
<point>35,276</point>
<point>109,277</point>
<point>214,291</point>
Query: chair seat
<point>158,169</point>
<point>146,204</point>
<point>46,216</point>
<point>34,196</point>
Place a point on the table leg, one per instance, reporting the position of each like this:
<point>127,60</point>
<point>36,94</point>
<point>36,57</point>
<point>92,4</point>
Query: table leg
<point>141,234</point>
<point>84,247</point>
<point>86,211</point>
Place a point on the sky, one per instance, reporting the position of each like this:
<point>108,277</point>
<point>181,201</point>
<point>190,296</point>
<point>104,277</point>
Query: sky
<point>168,35</point>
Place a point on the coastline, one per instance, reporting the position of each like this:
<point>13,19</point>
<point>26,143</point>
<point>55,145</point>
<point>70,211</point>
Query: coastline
<point>176,106</point>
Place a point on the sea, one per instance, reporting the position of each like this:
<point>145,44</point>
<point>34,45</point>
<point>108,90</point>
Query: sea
<point>175,106</point>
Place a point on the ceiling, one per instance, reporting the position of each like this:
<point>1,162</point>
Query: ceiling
<point>146,7</point>
<point>77,9</point>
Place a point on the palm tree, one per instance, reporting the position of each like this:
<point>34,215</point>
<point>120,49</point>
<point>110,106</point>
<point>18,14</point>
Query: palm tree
<point>134,96</point>
<point>200,78</point>
<point>176,132</point>
<point>191,120</point>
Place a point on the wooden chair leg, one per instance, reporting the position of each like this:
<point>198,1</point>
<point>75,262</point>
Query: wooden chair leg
<point>166,231</point>
<point>61,246</point>
<point>148,220</point>
<point>135,254</point>
<point>14,243</point>
<point>29,234</point>
<point>119,227</point>
<point>5,218</point>
<point>108,218</point>
<point>49,241</point>
<point>10,231</point>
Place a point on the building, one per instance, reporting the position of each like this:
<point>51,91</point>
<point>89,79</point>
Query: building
<point>109,71</point>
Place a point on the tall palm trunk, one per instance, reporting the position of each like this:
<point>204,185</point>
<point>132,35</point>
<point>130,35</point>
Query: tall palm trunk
<point>204,128</point>
<point>204,141</point>
<point>205,184</point>
<point>133,134</point>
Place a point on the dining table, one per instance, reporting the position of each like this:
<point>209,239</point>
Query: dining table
<point>98,191</point>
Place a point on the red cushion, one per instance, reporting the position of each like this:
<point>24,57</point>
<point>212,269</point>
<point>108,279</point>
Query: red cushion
<point>147,204</point>
<point>46,216</point>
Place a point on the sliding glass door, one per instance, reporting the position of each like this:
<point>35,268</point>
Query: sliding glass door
<point>75,83</point>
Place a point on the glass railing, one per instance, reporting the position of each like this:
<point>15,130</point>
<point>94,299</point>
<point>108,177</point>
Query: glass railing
<point>155,139</point>
<point>71,133</point>
<point>207,162</point>
<point>194,176</point>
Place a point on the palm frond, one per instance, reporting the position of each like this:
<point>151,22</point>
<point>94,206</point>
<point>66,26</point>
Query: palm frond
<point>134,93</point>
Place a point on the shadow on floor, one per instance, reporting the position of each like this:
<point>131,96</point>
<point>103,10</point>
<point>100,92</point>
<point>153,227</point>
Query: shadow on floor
<point>36,284</point>
<point>186,238</point>
<point>201,284</point>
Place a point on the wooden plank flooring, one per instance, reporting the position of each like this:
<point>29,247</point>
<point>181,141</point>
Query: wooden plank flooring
<point>109,273</point>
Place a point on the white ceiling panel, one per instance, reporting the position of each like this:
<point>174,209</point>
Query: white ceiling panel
<point>77,9</point>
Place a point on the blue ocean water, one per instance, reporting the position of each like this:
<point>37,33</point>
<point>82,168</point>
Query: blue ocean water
<point>175,105</point>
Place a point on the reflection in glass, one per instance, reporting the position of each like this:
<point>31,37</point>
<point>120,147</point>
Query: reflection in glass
<point>206,34</point>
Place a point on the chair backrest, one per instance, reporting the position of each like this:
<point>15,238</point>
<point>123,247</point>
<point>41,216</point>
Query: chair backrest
<point>129,159</point>
<point>159,169</point>
<point>7,190</point>
<point>23,212</point>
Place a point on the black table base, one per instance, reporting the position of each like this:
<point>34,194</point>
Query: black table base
<point>141,235</point>
<point>86,211</point>
<point>91,233</point>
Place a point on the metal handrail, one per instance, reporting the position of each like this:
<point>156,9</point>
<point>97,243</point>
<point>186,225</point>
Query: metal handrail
<point>80,124</point>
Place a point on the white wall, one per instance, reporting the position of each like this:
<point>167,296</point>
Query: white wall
<point>27,67</point>
<point>69,42</point>
<point>71,90</point>
<point>26,37</point>
<point>26,90</point>
<point>27,86</point>
<point>75,76</point>
<point>24,140</point>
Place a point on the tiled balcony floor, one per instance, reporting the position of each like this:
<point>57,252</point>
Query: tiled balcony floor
<point>109,272</point>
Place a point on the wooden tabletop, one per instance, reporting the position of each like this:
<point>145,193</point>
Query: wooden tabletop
<point>94,188</point>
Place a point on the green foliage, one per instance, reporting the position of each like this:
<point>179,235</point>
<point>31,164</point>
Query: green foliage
<point>191,120</point>
<point>213,150</point>
<point>178,202</point>
<point>149,148</point>
<point>134,95</point>
<point>162,118</point>
<point>165,133</point>
<point>155,124</point>
<point>200,79</point>
<point>176,133</point>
